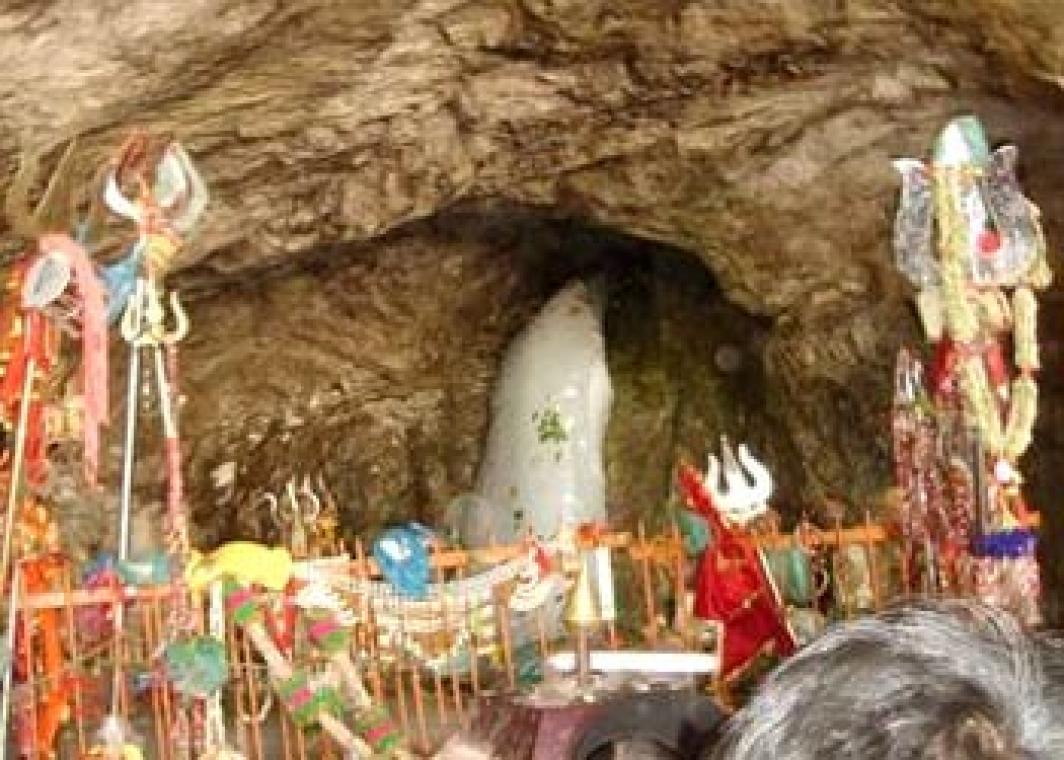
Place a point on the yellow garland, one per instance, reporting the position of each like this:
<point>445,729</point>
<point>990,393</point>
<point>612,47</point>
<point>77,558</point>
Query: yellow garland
<point>962,323</point>
<point>994,313</point>
<point>967,312</point>
<point>961,319</point>
<point>1025,316</point>
<point>981,403</point>
<point>929,306</point>
<point>1040,276</point>
<point>1022,412</point>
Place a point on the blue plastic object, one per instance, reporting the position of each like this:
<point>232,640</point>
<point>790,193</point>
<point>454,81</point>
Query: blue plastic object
<point>1009,544</point>
<point>403,557</point>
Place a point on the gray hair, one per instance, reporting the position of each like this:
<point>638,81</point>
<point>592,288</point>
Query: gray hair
<point>925,681</point>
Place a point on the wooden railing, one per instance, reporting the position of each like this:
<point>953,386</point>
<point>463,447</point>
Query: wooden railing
<point>426,702</point>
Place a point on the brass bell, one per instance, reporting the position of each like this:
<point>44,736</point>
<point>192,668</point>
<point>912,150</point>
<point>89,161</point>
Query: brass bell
<point>583,609</point>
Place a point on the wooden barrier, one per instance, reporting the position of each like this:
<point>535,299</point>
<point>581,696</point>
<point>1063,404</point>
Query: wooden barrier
<point>427,703</point>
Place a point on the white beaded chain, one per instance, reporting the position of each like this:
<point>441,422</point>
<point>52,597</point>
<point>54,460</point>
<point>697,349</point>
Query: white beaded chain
<point>463,608</point>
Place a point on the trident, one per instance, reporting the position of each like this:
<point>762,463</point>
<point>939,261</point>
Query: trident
<point>144,326</point>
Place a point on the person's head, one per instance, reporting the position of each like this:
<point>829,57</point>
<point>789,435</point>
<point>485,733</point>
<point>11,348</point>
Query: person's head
<point>942,681</point>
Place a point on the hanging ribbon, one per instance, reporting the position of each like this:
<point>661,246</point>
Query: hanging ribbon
<point>93,321</point>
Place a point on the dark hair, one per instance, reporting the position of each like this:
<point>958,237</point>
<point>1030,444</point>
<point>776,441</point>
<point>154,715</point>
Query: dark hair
<point>924,681</point>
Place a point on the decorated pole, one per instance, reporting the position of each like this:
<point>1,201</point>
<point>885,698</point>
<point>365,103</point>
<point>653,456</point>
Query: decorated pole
<point>305,704</point>
<point>126,497</point>
<point>8,655</point>
<point>13,488</point>
<point>989,242</point>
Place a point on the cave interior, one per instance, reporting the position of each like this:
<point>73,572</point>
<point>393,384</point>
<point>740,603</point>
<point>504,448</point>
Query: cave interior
<point>398,190</point>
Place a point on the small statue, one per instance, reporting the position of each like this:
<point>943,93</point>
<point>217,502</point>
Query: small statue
<point>734,587</point>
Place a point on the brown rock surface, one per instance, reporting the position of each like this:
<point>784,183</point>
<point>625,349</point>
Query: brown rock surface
<point>388,180</point>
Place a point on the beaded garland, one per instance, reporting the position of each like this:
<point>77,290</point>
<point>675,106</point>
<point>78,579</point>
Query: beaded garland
<point>976,316</point>
<point>449,622</point>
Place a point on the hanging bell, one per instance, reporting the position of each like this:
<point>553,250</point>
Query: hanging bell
<point>583,607</point>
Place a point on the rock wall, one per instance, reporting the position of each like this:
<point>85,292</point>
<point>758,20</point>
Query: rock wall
<point>376,368</point>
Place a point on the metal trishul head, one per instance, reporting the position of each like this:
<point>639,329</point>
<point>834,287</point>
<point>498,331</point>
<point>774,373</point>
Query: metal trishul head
<point>747,485</point>
<point>144,320</point>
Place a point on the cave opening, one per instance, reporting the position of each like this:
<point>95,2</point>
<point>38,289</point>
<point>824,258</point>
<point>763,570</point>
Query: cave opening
<point>376,368</point>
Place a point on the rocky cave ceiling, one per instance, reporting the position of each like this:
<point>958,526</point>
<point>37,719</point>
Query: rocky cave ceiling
<point>397,185</point>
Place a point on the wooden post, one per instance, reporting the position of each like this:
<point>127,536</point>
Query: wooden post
<point>253,699</point>
<point>541,634</point>
<point>72,645</point>
<point>301,740</point>
<point>236,676</point>
<point>502,616</point>
<point>680,585</point>
<point>906,580</point>
<point>840,569</point>
<point>648,586</point>
<point>441,701</point>
<point>287,728</point>
<point>371,635</point>
<point>151,644</point>
<point>471,616</point>
<point>873,564</point>
<point>452,632</point>
<point>400,688</point>
<point>412,666</point>
<point>31,681</point>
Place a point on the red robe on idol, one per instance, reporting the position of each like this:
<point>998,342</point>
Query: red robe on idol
<point>732,588</point>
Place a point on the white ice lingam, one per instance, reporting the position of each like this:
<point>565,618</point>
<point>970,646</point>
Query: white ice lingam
<point>543,464</point>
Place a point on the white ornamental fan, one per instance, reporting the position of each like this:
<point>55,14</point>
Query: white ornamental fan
<point>46,280</point>
<point>119,203</point>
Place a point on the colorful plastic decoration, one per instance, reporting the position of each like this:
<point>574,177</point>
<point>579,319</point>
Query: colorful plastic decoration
<point>402,555</point>
<point>694,529</point>
<point>196,666</point>
<point>120,279</point>
<point>378,730</point>
<point>148,570</point>
<point>993,229</point>
<point>247,562</point>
